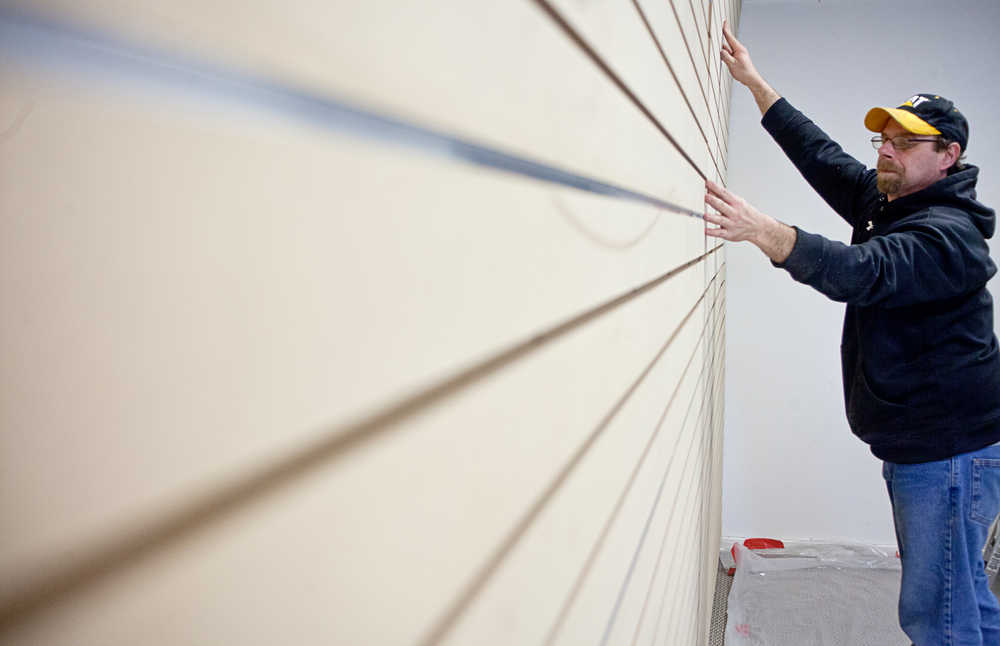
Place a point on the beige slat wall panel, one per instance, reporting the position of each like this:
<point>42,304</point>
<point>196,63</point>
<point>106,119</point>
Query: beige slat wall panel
<point>687,540</point>
<point>661,607</point>
<point>266,260</point>
<point>616,31</point>
<point>703,42</point>
<point>711,524</point>
<point>664,25</point>
<point>714,517</point>
<point>693,20</point>
<point>667,20</point>
<point>722,75</point>
<point>679,618</point>
<point>684,538</point>
<point>227,356</point>
<point>372,548</point>
<point>531,598</point>
<point>501,73</point>
<point>706,556</point>
<point>698,37</point>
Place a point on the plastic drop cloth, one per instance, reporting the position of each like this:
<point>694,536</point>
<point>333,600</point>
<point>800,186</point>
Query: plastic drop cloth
<point>815,595</point>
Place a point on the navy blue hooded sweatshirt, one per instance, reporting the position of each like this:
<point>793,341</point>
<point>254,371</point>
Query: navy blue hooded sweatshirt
<point>921,367</point>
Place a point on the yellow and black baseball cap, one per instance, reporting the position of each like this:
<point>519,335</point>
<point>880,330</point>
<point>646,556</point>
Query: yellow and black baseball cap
<point>924,114</point>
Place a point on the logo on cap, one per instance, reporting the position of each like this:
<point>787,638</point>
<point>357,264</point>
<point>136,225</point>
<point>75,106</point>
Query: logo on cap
<point>915,100</point>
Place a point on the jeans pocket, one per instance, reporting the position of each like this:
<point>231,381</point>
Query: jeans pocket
<point>985,490</point>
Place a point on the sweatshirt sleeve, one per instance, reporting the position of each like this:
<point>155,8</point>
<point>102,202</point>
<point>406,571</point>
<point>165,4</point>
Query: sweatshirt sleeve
<point>925,262</point>
<point>841,180</point>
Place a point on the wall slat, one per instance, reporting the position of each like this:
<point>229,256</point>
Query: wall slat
<point>251,263</point>
<point>623,42</point>
<point>434,369</point>
<point>500,73</point>
<point>384,534</point>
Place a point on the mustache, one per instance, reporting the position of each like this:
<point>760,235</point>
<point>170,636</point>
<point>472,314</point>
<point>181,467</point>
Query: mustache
<point>888,164</point>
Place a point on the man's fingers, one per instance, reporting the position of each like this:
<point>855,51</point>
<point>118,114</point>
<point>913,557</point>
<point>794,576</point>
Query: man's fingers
<point>716,233</point>
<point>725,30</point>
<point>718,205</point>
<point>711,193</point>
<point>730,39</point>
<point>717,190</point>
<point>714,218</point>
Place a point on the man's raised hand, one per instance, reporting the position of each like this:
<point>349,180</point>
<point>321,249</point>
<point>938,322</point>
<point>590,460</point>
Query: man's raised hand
<point>737,59</point>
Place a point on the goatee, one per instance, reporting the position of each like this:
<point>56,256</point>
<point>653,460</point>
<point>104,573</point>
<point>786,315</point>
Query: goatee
<point>890,183</point>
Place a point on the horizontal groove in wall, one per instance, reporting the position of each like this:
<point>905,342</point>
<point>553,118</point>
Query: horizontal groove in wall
<point>684,520</point>
<point>697,536</point>
<point>706,491</point>
<point>704,45</point>
<point>317,110</point>
<point>721,106</point>
<point>51,43</point>
<point>714,154</point>
<point>689,613</point>
<point>630,572</point>
<point>716,117</point>
<point>663,543</point>
<point>628,577</point>
<point>701,83</point>
<point>616,509</point>
<point>450,616</point>
<point>49,587</point>
<point>613,76</point>
<point>675,576</point>
<point>472,248</point>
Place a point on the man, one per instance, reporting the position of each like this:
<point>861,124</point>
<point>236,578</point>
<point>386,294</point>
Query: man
<point>920,361</point>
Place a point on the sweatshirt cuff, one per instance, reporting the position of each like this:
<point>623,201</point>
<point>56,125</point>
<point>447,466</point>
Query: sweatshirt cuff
<point>807,256</point>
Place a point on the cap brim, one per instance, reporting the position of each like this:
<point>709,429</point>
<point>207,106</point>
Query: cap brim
<point>876,119</point>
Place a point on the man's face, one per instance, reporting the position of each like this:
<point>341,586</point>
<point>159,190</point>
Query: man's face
<point>901,172</point>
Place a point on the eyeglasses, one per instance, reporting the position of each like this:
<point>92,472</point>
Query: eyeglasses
<point>900,143</point>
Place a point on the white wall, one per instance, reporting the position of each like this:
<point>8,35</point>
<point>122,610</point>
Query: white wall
<point>277,372</point>
<point>792,467</point>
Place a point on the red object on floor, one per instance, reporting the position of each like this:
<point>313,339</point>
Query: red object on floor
<point>755,544</point>
<point>763,543</point>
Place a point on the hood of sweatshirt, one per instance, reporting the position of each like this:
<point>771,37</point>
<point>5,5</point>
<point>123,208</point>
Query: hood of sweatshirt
<point>958,191</point>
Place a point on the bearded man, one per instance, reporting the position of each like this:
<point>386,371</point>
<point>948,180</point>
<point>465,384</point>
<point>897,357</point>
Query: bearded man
<point>920,361</point>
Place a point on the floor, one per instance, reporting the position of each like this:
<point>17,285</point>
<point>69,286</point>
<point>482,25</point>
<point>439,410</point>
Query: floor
<point>723,582</point>
<point>848,597</point>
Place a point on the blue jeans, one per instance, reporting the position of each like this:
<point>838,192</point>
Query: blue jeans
<point>942,512</point>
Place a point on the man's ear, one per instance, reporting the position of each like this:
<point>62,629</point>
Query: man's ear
<point>951,155</point>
